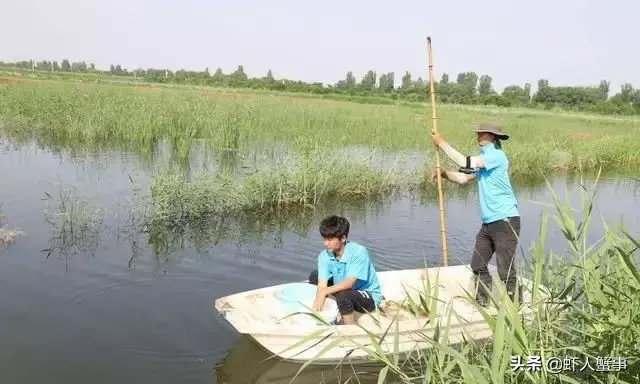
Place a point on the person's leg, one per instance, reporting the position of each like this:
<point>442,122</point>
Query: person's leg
<point>351,300</point>
<point>313,278</point>
<point>506,235</point>
<point>482,253</point>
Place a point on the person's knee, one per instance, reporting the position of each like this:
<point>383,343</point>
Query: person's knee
<point>344,302</point>
<point>313,277</point>
<point>367,306</point>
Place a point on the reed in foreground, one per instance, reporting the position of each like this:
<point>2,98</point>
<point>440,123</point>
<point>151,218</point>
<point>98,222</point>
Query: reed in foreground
<point>587,330</point>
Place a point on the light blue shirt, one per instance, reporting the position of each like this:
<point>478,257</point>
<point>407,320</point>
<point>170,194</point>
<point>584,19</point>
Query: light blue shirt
<point>355,262</point>
<point>495,193</point>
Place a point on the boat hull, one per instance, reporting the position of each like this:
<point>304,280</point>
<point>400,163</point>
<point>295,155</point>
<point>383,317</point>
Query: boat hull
<point>395,329</point>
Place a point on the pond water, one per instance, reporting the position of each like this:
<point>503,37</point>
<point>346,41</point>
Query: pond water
<point>114,307</point>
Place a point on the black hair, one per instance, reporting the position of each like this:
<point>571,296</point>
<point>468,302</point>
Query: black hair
<point>496,142</point>
<point>334,226</point>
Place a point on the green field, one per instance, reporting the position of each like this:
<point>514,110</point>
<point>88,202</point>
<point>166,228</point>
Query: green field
<point>97,114</point>
<point>316,132</point>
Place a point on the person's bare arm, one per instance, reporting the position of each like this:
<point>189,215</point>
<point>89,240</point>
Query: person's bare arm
<point>455,177</point>
<point>324,291</point>
<point>459,159</point>
<point>318,303</point>
<point>458,177</point>
<point>322,284</point>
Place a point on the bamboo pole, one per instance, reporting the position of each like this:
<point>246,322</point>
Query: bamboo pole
<point>443,236</point>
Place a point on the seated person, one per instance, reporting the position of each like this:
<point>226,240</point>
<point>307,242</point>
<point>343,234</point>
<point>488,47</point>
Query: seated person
<point>345,271</point>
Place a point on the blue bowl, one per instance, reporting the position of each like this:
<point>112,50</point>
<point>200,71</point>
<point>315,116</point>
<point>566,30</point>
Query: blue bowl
<point>293,295</point>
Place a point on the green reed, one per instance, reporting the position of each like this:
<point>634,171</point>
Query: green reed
<point>317,176</point>
<point>108,115</point>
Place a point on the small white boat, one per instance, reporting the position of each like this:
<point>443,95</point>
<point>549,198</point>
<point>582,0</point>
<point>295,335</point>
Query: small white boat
<point>266,316</point>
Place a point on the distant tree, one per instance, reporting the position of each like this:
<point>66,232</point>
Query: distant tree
<point>218,76</point>
<point>468,88</point>
<point>604,89</point>
<point>485,88</point>
<point>543,94</point>
<point>65,66</point>
<point>445,90</point>
<point>527,91</point>
<point>516,95</point>
<point>420,86</point>
<point>406,85</point>
<point>269,80</point>
<point>349,83</point>
<point>625,95</point>
<point>386,82</point>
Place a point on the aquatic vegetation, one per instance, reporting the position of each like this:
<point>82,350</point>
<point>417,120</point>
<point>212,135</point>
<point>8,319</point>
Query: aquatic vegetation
<point>586,331</point>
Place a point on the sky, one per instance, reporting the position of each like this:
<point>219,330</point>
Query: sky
<point>568,42</point>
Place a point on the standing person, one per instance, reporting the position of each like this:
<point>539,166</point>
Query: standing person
<point>345,271</point>
<point>500,228</point>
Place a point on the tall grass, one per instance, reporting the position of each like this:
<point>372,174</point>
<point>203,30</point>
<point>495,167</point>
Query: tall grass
<point>316,177</point>
<point>592,314</point>
<point>102,115</point>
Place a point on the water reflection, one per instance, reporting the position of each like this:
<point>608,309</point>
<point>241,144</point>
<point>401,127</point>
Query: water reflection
<point>248,362</point>
<point>167,238</point>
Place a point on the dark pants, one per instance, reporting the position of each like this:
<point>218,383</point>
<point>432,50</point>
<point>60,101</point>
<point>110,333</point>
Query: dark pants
<point>501,238</point>
<point>349,299</point>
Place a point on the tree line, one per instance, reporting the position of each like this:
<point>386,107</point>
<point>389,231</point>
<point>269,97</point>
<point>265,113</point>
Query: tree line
<point>468,88</point>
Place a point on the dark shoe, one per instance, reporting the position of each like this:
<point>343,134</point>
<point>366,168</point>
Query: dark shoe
<point>482,300</point>
<point>482,296</point>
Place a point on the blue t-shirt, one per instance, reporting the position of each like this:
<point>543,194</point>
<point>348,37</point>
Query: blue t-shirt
<point>495,193</point>
<point>355,262</point>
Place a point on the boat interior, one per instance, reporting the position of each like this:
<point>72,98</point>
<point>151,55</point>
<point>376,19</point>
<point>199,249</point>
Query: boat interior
<point>407,293</point>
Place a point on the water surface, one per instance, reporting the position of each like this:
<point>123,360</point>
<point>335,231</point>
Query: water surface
<point>113,308</point>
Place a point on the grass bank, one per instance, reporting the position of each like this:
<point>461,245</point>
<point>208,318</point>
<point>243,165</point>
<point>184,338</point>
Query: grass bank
<point>591,330</point>
<point>103,115</point>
